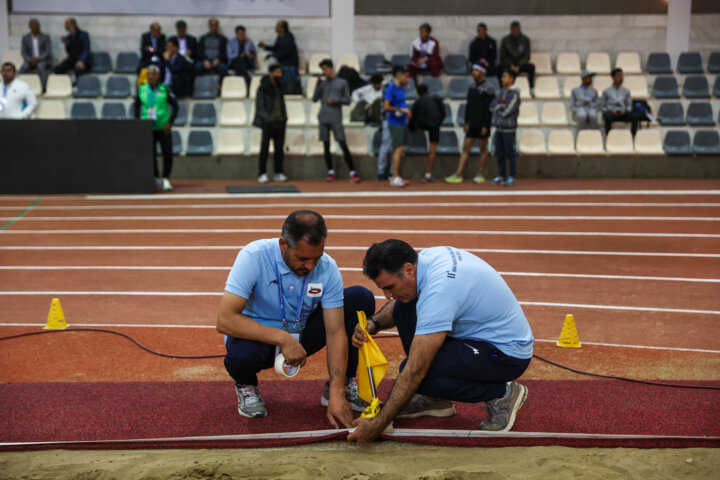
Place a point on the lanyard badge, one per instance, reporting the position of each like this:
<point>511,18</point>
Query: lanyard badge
<point>281,300</point>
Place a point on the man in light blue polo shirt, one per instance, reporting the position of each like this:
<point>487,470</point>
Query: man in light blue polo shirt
<point>286,296</point>
<point>463,331</point>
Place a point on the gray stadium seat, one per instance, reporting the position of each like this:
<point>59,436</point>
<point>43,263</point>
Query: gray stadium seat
<point>101,62</point>
<point>83,111</point>
<point>456,65</point>
<point>176,144</point>
<point>665,87</point>
<point>713,65</point>
<point>434,84</point>
<point>372,62</point>
<point>448,120</point>
<point>696,86</point>
<point>199,143</point>
<point>689,62</point>
<point>181,118</point>
<point>716,87</point>
<point>706,142</point>
<point>410,91</point>
<point>458,87</point>
<point>658,62</point>
<point>460,116</point>
<point>117,87</point>
<point>206,87</point>
<point>88,86</point>
<point>700,114</point>
<point>677,142</point>
<point>203,115</point>
<point>126,62</point>
<point>671,113</point>
<point>113,111</point>
<point>400,59</point>
<point>417,143</point>
<point>448,144</point>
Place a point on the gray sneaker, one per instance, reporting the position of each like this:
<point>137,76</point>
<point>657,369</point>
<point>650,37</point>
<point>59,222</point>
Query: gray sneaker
<point>424,406</point>
<point>501,411</point>
<point>250,403</point>
<point>351,395</point>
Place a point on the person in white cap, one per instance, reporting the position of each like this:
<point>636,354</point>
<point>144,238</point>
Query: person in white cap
<point>584,102</point>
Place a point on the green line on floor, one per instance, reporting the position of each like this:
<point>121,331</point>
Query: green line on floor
<point>20,215</point>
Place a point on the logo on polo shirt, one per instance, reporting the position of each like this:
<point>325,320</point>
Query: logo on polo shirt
<point>315,290</point>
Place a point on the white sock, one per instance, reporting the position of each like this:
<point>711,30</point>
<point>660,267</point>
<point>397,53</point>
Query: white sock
<point>352,173</point>
<point>331,172</point>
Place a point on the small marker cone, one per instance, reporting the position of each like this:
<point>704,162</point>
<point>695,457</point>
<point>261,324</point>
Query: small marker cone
<point>56,317</point>
<point>569,336</point>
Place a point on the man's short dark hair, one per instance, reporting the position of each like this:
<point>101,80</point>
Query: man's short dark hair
<point>284,25</point>
<point>274,67</point>
<point>173,41</point>
<point>390,256</point>
<point>399,69</point>
<point>239,27</point>
<point>615,71</point>
<point>376,78</point>
<point>427,27</point>
<point>422,89</point>
<point>326,62</point>
<point>304,225</point>
<point>180,24</point>
<point>511,72</point>
<point>482,24</point>
<point>9,64</point>
<point>514,23</point>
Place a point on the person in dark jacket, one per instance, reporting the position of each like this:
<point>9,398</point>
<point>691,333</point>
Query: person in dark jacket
<point>271,117</point>
<point>77,46</point>
<point>284,50</point>
<point>515,53</point>
<point>505,108</point>
<point>483,50</point>
<point>428,113</point>
<point>152,45</point>
<point>187,44</point>
<point>177,71</point>
<point>478,120</point>
<point>212,52</point>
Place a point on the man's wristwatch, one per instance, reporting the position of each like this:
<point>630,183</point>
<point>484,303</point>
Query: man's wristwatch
<point>377,325</point>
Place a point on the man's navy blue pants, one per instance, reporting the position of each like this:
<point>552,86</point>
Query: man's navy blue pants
<point>468,371</point>
<point>245,358</point>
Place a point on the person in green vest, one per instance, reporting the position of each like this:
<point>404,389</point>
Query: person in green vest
<point>155,101</point>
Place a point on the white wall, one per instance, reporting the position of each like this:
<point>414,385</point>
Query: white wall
<point>4,30</point>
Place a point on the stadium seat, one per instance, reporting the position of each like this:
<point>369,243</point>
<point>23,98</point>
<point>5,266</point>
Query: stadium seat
<point>589,142</point>
<point>456,64</point>
<point>315,146</point>
<point>58,86</point>
<point>706,142</point>
<point>313,115</point>
<point>619,142</point>
<point>117,86</point>
<point>357,141</point>
<point>629,62</point>
<point>410,91</point>
<point>458,88</point>
<point>546,88</point>
<point>13,56</point>
<point>648,142</point>
<point>568,63</point>
<point>448,143</point>
<point>233,88</point>
<point>460,115</point>
<point>401,59</point>
<point>598,62</point>
<point>176,144</point>
<point>417,143</point>
<point>665,87</point>
<point>671,113</point>
<point>203,115</point>
<point>231,141</point>
<point>254,143</point>
<point>348,60</point>
<point>434,84</point>
<point>532,142</point>
<point>51,110</point>
<point>296,113</point>
<point>700,114</point>
<point>696,86</point>
<point>126,62</point>
<point>113,111</point>
<point>601,82</point>
<point>181,118</point>
<point>372,62</point>
<point>33,81</point>
<point>448,120</point>
<point>713,65</point>
<point>82,111</point>
<point>528,115</point>
<point>199,142</point>
<point>543,65</point>
<point>310,87</point>
<point>313,63</point>
<point>101,62</point>
<point>658,62</point>
<point>254,85</point>
<point>716,87</point>
<point>87,86</point>
<point>570,83</point>
<point>638,86</point>
<point>677,142</point>
<point>524,86</point>
<point>554,114</point>
<point>206,87</point>
<point>233,114</point>
<point>561,142</point>
<point>689,62</point>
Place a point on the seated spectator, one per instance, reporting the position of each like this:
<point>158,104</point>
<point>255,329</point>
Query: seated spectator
<point>284,51</point>
<point>152,45</point>
<point>212,56</point>
<point>241,54</point>
<point>77,46</point>
<point>515,53</point>
<point>483,50</point>
<point>425,54</point>
<point>177,70</point>
<point>584,102</point>
<point>428,113</point>
<point>37,52</point>
<point>368,101</point>
<point>616,103</point>
<point>17,100</point>
<point>187,44</point>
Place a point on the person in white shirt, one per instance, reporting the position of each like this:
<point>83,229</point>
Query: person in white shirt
<point>16,99</point>
<point>368,101</point>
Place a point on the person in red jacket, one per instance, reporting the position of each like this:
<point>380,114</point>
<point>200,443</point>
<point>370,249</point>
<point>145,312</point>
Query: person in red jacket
<point>425,54</point>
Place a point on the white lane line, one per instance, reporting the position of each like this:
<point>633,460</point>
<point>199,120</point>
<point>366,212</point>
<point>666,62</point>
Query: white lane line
<point>617,307</point>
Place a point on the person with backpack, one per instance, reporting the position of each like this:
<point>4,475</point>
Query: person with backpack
<point>428,113</point>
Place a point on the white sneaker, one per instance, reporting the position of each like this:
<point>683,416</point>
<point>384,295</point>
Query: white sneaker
<point>398,182</point>
<point>166,185</point>
<point>250,403</point>
<point>280,177</point>
<point>263,178</point>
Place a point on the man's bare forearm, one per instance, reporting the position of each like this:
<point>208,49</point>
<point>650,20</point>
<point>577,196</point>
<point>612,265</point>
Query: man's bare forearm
<point>384,317</point>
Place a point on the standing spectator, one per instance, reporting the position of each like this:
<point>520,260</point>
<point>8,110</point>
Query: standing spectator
<point>187,44</point>
<point>332,92</point>
<point>515,53</point>
<point>212,57</point>
<point>478,120</point>
<point>584,103</point>
<point>398,114</point>
<point>425,54</point>
<point>284,51</point>
<point>77,46</point>
<point>241,54</point>
<point>428,113</point>
<point>271,117</point>
<point>616,103</point>
<point>178,70</point>
<point>385,169</point>
<point>368,101</point>
<point>505,110</point>
<point>17,100</point>
<point>483,50</point>
<point>152,45</point>
<point>37,52</point>
<point>156,102</point>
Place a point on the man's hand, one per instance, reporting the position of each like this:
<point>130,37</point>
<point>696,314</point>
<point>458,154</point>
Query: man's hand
<point>166,55</point>
<point>515,69</point>
<point>407,112</point>
<point>484,62</point>
<point>359,337</point>
<point>421,61</point>
<point>261,45</point>
<point>167,127</point>
<point>293,352</point>
<point>80,65</point>
<point>329,100</point>
<point>216,62</point>
<point>367,430</point>
<point>339,411</point>
<point>34,61</point>
<point>465,128</point>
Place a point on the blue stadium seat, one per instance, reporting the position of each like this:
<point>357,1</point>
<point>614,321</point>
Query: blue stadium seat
<point>696,86</point>
<point>658,62</point>
<point>101,62</point>
<point>113,111</point>
<point>82,111</point>
<point>706,142</point>
<point>400,59</point>
<point>671,113</point>
<point>126,62</point>
<point>206,87</point>
<point>434,84</point>
<point>689,62</point>
<point>458,88</point>
<point>700,114</point>
<point>87,86</point>
<point>448,120</point>
<point>117,87</point>
<point>203,115</point>
<point>716,87</point>
<point>713,65</point>
<point>665,87</point>
<point>372,63</point>
<point>448,144</point>
<point>417,143</point>
<point>456,65</point>
<point>677,142</point>
<point>176,144</point>
<point>410,91</point>
<point>182,117</point>
<point>199,143</point>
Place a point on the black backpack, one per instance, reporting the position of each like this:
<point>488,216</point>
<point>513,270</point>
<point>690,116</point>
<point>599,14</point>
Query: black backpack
<point>352,77</point>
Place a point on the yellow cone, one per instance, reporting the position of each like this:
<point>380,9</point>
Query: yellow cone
<point>56,317</point>
<point>569,335</point>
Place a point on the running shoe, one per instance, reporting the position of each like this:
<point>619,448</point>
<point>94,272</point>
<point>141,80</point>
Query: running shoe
<point>355,179</point>
<point>351,395</point>
<point>509,182</point>
<point>166,186</point>
<point>250,403</point>
<point>330,177</point>
<point>263,178</point>
<point>497,180</point>
<point>454,178</point>
<point>424,406</point>
<point>280,177</point>
<point>399,182</point>
<point>428,178</point>
<point>502,411</point>
<point>479,179</point>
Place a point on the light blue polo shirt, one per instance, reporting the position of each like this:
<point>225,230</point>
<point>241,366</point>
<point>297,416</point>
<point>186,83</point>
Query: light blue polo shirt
<point>461,294</point>
<point>253,277</point>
